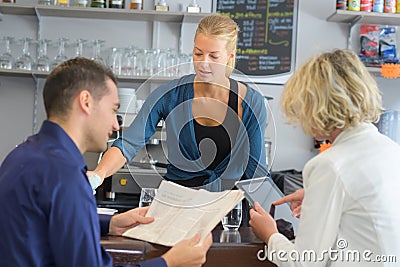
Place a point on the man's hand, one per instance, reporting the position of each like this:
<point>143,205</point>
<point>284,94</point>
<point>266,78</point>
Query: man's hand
<point>122,222</point>
<point>262,224</point>
<point>295,199</point>
<point>187,254</point>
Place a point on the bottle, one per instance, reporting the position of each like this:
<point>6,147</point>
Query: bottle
<point>390,6</point>
<point>82,3</point>
<point>354,5</point>
<point>63,3</point>
<point>136,4</point>
<point>377,6</point>
<point>366,5</point>
<point>116,4</point>
<point>98,3</point>
<point>9,1</point>
<point>341,4</point>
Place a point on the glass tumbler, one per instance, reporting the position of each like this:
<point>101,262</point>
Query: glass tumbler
<point>232,220</point>
<point>146,196</point>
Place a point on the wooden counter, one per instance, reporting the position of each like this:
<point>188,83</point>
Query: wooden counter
<point>228,249</point>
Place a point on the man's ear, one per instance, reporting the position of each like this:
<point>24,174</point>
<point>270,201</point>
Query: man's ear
<point>85,101</point>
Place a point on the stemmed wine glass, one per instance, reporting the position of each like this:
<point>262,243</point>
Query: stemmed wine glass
<point>60,57</point>
<point>43,61</point>
<point>6,59</point>
<point>79,47</point>
<point>24,62</point>
<point>97,50</point>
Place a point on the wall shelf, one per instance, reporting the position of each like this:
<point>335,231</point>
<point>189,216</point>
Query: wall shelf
<point>121,78</point>
<point>100,13</point>
<point>15,9</point>
<point>362,17</point>
<point>347,16</point>
<point>16,73</point>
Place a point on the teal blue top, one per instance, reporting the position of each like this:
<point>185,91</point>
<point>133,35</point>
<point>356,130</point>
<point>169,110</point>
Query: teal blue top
<point>172,102</point>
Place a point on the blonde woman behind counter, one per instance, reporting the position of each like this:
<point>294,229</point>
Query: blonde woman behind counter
<point>351,191</point>
<point>215,125</point>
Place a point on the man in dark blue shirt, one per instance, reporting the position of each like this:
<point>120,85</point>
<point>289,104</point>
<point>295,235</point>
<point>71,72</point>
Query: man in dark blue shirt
<point>49,215</point>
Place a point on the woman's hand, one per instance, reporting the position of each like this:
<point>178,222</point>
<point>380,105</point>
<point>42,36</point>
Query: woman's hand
<point>295,199</point>
<point>120,223</point>
<point>262,224</point>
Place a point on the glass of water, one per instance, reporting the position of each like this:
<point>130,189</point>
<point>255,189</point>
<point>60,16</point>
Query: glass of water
<point>232,220</point>
<point>230,236</point>
<point>146,196</point>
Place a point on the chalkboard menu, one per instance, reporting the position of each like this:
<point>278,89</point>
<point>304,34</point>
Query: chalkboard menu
<point>266,41</point>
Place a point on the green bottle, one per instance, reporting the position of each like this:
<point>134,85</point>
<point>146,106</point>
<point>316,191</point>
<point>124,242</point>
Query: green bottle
<point>98,3</point>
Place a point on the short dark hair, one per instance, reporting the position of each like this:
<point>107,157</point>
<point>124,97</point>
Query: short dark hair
<point>71,77</point>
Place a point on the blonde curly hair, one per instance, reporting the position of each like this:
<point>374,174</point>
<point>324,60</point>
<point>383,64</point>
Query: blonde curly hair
<point>332,90</point>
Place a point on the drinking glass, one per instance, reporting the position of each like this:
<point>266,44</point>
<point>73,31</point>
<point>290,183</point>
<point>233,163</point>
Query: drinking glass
<point>146,196</point>
<point>115,62</point>
<point>60,57</point>
<point>230,236</point>
<point>129,62</point>
<point>79,44</point>
<point>161,62</point>
<point>139,56</point>
<point>97,51</point>
<point>185,62</point>
<point>173,68</point>
<point>232,220</point>
<point>43,61</point>
<point>6,59</point>
<point>24,62</point>
<point>149,65</point>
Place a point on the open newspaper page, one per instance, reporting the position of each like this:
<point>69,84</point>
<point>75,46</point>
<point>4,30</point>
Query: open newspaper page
<point>180,212</point>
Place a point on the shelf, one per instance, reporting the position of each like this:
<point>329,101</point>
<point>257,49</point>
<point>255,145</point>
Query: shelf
<point>16,73</point>
<point>346,16</point>
<point>120,78</point>
<point>374,70</point>
<point>143,79</point>
<point>101,13</point>
<point>15,9</point>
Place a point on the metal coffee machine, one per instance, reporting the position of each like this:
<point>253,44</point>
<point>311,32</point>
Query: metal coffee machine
<point>122,190</point>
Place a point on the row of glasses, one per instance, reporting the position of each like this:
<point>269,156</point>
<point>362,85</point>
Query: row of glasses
<point>133,61</point>
<point>43,62</point>
<point>130,61</point>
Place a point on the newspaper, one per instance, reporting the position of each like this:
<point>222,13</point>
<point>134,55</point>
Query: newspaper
<point>180,213</point>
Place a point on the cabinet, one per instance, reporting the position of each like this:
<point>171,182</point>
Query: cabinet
<point>354,18</point>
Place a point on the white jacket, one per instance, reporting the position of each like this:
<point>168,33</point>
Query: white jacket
<point>351,207</point>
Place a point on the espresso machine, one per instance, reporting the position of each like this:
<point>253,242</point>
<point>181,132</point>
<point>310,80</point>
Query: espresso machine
<point>121,191</point>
